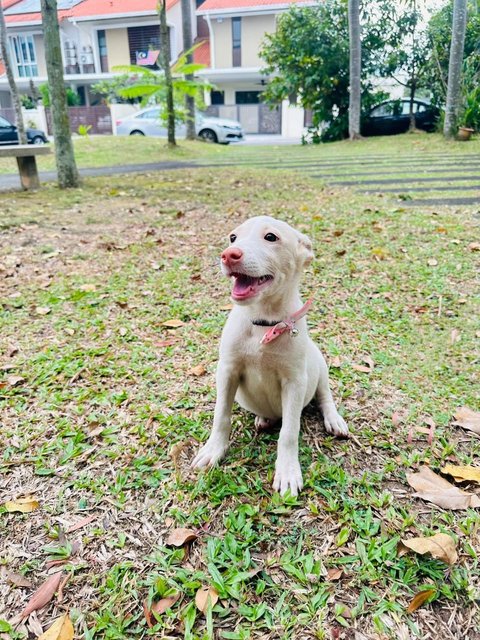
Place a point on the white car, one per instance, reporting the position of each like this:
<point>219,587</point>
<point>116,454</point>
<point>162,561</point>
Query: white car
<point>147,122</point>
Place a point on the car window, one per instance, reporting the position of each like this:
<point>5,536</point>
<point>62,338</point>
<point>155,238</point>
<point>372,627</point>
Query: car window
<point>4,123</point>
<point>150,114</point>
<point>421,108</point>
<point>380,111</point>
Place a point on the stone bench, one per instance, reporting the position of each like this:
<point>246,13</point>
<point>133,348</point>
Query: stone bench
<point>26,161</point>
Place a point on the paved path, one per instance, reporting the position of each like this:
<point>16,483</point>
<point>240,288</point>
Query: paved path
<point>379,173</point>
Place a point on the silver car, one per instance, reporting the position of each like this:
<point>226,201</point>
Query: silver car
<point>147,122</point>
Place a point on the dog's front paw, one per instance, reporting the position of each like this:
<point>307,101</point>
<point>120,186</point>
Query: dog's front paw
<point>288,475</point>
<point>334,423</point>
<point>211,453</point>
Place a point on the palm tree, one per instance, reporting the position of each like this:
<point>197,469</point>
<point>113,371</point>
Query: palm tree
<point>459,24</point>
<point>4,55</point>
<point>64,156</point>
<point>187,49</point>
<point>355,69</point>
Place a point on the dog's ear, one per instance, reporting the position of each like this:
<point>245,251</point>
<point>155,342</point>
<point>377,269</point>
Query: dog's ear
<point>305,249</point>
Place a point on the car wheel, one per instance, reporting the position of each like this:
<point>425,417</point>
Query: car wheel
<point>208,135</point>
<point>38,140</point>
<point>136,132</point>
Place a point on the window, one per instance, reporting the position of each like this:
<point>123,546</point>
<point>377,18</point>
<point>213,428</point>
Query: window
<point>142,40</point>
<point>102,50</point>
<point>151,114</point>
<point>217,97</point>
<point>247,97</point>
<point>5,123</point>
<point>24,57</point>
<point>421,108</point>
<point>236,42</point>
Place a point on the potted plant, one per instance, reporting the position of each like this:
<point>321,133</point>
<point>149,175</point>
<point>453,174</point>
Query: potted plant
<point>470,120</point>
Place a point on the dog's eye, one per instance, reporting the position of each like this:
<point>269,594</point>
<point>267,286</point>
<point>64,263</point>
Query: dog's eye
<point>271,237</point>
<point>233,237</point>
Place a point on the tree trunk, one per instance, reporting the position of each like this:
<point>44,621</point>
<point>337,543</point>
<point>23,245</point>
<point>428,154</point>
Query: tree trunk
<point>459,23</point>
<point>187,45</point>
<point>64,156</point>
<point>413,87</point>
<point>4,54</point>
<point>165,56</point>
<point>355,69</point>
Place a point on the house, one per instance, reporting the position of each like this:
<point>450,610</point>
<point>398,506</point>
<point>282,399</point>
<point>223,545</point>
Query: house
<point>96,36</point>
<point>236,29</point>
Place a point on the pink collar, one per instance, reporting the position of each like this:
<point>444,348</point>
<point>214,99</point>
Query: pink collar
<point>286,325</point>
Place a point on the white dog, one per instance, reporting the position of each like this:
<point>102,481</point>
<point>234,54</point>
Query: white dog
<point>268,362</point>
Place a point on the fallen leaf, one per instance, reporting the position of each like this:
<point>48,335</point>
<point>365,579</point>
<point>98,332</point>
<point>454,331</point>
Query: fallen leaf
<point>462,473</point>
<point>160,606</point>
<point>419,599</point>
<point>15,381</point>
<point>205,597</point>
<point>166,343</point>
<point>474,246</point>
<point>81,523</point>
<point>18,580</point>
<point>433,488</point>
<point>226,307</point>
<point>468,419</point>
<point>440,546</point>
<point>397,418</point>
<point>43,594</point>
<point>367,368</point>
<point>334,574</point>
<point>173,323</point>
<point>432,262</point>
<point>61,629</point>
<point>454,336</point>
<point>23,505</point>
<point>42,311</point>
<point>197,371</point>
<point>87,287</point>
<point>336,362</point>
<point>181,536</point>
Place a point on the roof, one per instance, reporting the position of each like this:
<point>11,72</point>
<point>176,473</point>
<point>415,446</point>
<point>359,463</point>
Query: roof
<point>201,55</point>
<point>232,5</point>
<point>18,10</point>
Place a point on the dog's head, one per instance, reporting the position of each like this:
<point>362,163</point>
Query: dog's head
<point>265,256</point>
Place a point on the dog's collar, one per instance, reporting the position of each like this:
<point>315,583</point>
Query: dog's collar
<point>277,328</point>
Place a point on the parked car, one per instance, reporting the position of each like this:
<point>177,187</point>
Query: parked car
<point>9,134</point>
<point>393,116</point>
<point>147,122</point>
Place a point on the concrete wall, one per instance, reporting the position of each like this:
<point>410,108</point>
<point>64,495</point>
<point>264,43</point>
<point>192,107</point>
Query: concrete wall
<point>40,53</point>
<point>254,29</point>
<point>223,43</point>
<point>117,47</point>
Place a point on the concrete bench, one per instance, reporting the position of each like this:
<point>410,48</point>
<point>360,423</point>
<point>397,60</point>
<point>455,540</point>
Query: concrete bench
<point>26,161</point>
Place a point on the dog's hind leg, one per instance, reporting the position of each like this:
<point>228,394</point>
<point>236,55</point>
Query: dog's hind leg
<point>334,423</point>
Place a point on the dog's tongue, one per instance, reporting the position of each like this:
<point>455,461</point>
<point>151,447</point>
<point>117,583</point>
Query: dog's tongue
<point>243,285</point>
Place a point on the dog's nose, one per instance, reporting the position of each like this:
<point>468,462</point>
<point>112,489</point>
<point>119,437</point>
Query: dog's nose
<point>232,255</point>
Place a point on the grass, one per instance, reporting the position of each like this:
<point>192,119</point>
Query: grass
<point>110,412</point>
<point>100,151</point>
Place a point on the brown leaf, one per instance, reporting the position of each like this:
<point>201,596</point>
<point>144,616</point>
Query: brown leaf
<point>205,597</point>
<point>336,362</point>
<point>15,381</point>
<point>226,307</point>
<point>42,311</point>
<point>18,580</point>
<point>334,574</point>
<point>61,629</point>
<point>197,371</point>
<point>81,523</point>
<point>397,418</point>
<point>165,343</point>
<point>43,594</point>
<point>440,546</point>
<point>23,505</point>
<point>419,599</point>
<point>433,488</point>
<point>474,246</point>
<point>462,473</point>
<point>181,536</point>
<point>454,336</point>
<point>468,419</point>
<point>160,606</point>
<point>432,262</point>
<point>87,287</point>
<point>173,323</point>
<point>367,368</point>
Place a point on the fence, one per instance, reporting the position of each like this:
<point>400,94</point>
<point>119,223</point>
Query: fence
<point>98,118</point>
<point>255,118</point>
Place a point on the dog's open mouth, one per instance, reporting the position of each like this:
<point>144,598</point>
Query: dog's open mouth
<point>245,287</point>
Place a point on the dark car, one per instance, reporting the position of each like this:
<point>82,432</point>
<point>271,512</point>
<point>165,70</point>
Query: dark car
<point>9,135</point>
<point>393,116</point>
